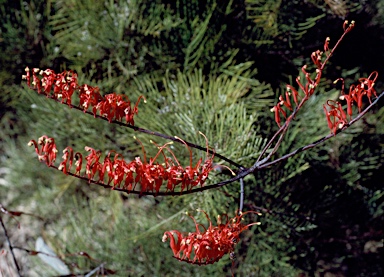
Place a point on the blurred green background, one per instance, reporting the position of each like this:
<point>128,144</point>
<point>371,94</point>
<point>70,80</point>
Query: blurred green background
<point>210,66</point>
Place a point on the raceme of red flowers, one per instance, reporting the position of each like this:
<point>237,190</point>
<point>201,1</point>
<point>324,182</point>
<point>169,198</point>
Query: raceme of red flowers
<point>335,114</point>
<point>64,85</point>
<point>207,245</point>
<point>114,171</point>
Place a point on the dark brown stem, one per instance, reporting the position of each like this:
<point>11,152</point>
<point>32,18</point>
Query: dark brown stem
<point>10,246</point>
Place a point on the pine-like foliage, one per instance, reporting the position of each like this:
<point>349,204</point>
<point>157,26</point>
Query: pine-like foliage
<point>211,66</point>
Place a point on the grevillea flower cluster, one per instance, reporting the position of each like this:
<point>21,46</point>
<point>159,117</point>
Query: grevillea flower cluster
<point>64,85</point>
<point>208,245</point>
<point>114,171</point>
<point>334,111</point>
<point>308,87</point>
<point>336,117</point>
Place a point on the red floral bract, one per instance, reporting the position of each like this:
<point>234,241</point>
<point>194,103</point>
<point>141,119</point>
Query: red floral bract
<point>209,245</point>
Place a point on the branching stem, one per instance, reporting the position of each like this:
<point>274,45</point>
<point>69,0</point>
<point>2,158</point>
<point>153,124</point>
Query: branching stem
<point>153,133</point>
<point>243,171</point>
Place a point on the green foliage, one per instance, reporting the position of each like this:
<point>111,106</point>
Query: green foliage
<point>202,66</point>
<point>114,35</point>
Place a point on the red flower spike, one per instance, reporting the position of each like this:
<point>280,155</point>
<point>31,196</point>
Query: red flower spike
<point>288,101</point>
<point>349,100</point>
<point>277,115</point>
<point>107,167</point>
<point>64,85</point>
<point>306,74</point>
<point>116,172</point>
<point>209,245</point>
<point>34,143</point>
<point>175,245</point>
<point>275,110</point>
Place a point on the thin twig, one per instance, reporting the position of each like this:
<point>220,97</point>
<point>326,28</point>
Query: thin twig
<point>241,195</point>
<point>10,246</point>
<point>346,31</point>
<point>270,142</point>
<point>97,269</point>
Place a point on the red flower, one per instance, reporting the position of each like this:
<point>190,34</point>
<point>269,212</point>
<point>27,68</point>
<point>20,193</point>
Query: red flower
<point>93,165</point>
<point>48,150</point>
<point>209,245</point>
<point>336,116</point>
<point>67,157</point>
